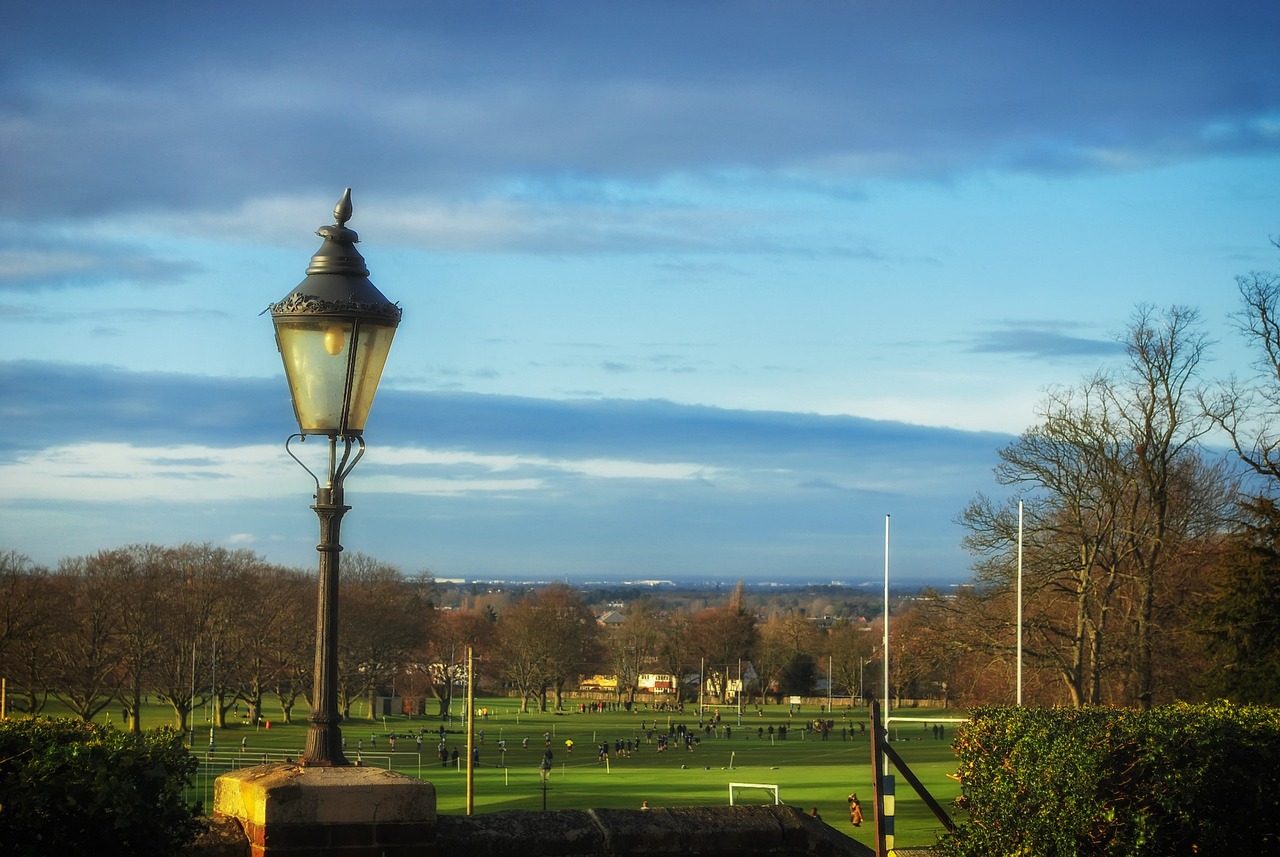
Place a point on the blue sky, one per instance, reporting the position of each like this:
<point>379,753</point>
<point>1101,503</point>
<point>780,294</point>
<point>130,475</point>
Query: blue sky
<point>690,289</point>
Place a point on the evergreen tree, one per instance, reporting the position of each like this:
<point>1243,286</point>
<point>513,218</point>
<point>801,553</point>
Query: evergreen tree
<point>1244,617</point>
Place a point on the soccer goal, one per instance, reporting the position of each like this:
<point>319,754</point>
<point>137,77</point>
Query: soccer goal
<point>750,793</point>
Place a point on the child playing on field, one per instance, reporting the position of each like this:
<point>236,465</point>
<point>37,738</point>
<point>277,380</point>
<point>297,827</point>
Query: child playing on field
<point>855,811</point>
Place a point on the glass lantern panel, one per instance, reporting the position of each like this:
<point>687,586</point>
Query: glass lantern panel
<point>372,347</point>
<point>315,352</point>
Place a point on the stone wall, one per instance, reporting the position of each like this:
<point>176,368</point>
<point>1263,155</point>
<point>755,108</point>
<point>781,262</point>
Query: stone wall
<point>722,831</point>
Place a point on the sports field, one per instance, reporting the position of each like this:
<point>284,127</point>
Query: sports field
<point>809,772</point>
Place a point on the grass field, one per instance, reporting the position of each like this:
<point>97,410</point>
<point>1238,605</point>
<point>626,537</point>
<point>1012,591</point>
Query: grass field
<point>809,772</point>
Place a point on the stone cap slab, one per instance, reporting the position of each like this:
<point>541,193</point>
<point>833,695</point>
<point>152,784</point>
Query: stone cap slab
<point>284,794</point>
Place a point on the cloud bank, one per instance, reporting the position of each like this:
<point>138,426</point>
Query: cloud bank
<point>487,486</point>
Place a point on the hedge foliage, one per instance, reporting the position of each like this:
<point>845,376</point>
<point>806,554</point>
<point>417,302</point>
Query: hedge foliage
<point>1181,779</point>
<point>72,788</point>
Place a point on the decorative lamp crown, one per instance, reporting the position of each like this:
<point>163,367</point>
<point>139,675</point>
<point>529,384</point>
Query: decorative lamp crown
<point>334,332</point>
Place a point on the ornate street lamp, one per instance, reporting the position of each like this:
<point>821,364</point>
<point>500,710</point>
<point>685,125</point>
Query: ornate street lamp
<point>334,332</point>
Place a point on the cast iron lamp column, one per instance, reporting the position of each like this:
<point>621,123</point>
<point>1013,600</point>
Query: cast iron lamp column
<point>334,332</point>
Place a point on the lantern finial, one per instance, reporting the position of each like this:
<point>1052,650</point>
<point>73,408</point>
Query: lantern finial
<point>342,211</point>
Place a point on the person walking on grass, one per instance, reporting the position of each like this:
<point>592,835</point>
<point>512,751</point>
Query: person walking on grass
<point>855,811</point>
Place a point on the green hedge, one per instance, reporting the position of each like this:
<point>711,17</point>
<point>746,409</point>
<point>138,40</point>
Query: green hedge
<point>1183,779</point>
<point>71,788</point>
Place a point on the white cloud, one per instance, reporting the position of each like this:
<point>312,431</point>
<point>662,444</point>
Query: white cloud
<point>602,468</point>
<point>127,473</point>
<point>191,473</point>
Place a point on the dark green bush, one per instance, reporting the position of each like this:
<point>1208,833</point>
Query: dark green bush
<point>1183,779</point>
<point>71,788</point>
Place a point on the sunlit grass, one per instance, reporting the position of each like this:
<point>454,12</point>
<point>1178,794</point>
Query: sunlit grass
<point>809,772</point>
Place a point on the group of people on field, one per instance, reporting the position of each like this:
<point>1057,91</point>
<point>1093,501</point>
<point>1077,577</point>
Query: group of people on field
<point>855,811</point>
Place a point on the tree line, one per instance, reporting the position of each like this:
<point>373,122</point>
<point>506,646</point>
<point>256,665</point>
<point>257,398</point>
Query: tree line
<point>201,627</point>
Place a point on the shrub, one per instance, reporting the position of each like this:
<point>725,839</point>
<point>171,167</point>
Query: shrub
<point>73,788</point>
<point>1183,779</point>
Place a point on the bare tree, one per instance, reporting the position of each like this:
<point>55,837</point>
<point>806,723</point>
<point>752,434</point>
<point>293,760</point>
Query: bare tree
<point>722,636</point>
<point>524,648</point>
<point>547,639</point>
<point>439,665</point>
<point>783,642</point>
<point>140,578</point>
<point>27,611</point>
<point>87,654</point>
<point>1248,409</point>
<point>675,650</point>
<point>269,612</point>
<point>849,645</point>
<point>1072,460</point>
<point>634,645</point>
<point>1107,472</point>
<point>193,623</point>
<point>383,619</point>
<point>1158,402</point>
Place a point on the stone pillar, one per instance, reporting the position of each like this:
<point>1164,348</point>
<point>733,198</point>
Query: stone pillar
<point>349,811</point>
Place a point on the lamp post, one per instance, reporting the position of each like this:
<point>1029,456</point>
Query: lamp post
<point>334,332</point>
<point>544,770</point>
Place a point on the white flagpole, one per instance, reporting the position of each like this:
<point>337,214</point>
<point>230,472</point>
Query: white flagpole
<point>886,621</point>
<point>1019,602</point>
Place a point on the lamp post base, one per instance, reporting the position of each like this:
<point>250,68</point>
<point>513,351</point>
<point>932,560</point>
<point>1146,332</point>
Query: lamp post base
<point>323,747</point>
<point>291,811</point>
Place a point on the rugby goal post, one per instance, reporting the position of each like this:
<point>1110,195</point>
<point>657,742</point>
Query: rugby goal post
<point>739,790</point>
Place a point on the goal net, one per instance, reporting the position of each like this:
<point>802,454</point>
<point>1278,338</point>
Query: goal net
<point>753,793</point>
